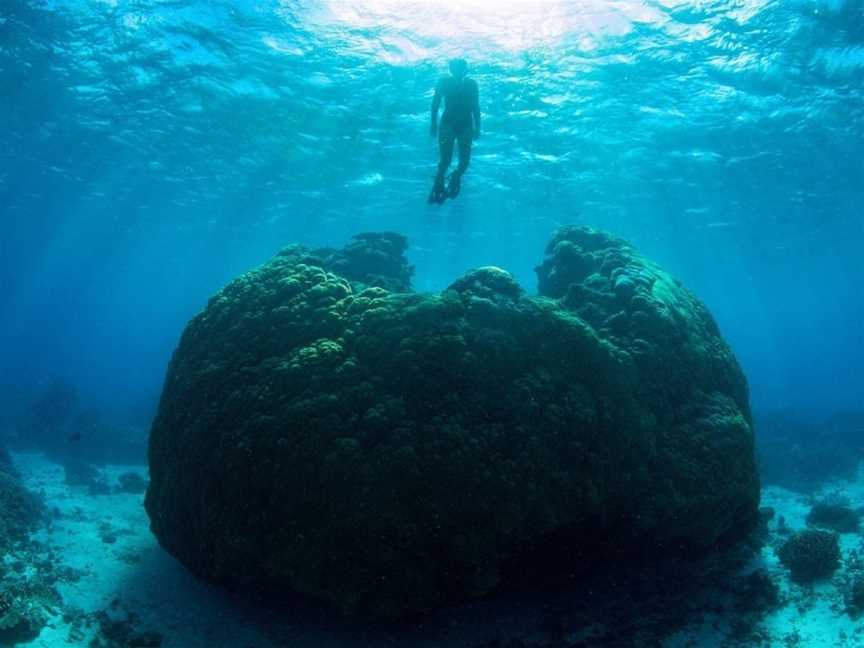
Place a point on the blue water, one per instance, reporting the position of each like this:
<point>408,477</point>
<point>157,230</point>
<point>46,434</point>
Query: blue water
<point>151,150</point>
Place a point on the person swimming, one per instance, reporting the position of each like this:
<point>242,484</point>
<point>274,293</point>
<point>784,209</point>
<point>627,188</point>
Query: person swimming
<point>460,123</point>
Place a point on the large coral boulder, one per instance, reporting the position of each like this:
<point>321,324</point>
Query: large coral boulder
<point>325,430</point>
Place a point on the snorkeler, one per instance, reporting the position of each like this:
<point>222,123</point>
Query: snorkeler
<point>459,123</point>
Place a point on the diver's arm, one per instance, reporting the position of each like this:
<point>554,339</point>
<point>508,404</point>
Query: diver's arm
<point>436,103</point>
<point>475,110</point>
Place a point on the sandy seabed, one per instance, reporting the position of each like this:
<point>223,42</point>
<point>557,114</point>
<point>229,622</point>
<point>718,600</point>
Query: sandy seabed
<point>120,588</point>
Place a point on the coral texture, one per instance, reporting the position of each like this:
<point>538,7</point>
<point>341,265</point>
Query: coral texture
<point>23,598</point>
<point>324,429</point>
<point>811,555</point>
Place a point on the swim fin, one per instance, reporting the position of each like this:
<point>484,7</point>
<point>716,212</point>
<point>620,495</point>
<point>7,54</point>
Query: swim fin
<point>438,194</point>
<point>454,186</point>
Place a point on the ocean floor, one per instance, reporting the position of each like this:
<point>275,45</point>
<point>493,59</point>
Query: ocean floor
<point>118,588</point>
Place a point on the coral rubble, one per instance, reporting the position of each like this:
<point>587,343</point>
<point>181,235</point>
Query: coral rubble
<point>24,596</point>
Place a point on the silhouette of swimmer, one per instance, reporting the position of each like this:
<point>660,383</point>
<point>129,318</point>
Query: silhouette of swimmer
<point>460,123</point>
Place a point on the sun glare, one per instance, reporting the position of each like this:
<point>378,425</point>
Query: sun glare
<point>410,30</point>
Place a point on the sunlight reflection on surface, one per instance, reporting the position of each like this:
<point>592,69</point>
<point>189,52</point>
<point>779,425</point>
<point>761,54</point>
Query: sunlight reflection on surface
<point>409,30</point>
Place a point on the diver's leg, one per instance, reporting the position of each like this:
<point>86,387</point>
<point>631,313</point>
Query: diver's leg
<point>445,144</point>
<point>464,159</point>
<point>446,140</point>
<point>464,153</point>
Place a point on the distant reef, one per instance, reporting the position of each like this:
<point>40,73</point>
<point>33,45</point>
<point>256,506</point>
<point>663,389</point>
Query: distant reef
<point>57,424</point>
<point>325,430</point>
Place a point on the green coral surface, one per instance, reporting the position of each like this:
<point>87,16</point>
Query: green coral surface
<point>325,430</point>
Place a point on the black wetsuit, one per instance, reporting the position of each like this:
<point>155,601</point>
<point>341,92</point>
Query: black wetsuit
<point>461,111</point>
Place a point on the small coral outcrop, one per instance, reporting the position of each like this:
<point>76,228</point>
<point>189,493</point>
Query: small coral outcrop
<point>854,597</point>
<point>132,482</point>
<point>810,555</point>
<point>325,430</point>
<point>834,515</point>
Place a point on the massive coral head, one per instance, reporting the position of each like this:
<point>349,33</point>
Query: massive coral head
<point>325,430</point>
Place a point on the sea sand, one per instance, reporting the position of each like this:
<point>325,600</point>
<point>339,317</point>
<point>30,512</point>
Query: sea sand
<point>123,576</point>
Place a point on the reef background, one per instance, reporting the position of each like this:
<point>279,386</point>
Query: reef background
<point>150,152</point>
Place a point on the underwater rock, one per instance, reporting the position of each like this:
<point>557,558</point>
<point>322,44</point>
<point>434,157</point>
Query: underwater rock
<point>118,628</point>
<point>488,283</point>
<point>854,597</point>
<point>132,482</point>
<point>81,473</point>
<point>810,555</point>
<point>836,516</point>
<point>324,430</point>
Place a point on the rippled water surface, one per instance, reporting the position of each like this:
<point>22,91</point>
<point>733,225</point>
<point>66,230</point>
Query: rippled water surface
<point>150,150</point>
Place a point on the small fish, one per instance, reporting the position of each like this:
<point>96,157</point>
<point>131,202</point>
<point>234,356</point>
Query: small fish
<point>75,436</point>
